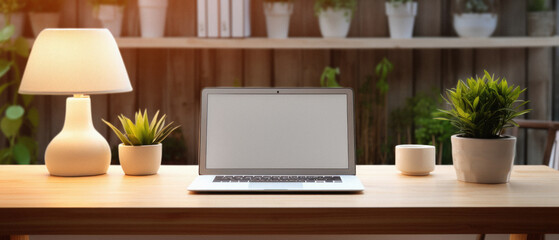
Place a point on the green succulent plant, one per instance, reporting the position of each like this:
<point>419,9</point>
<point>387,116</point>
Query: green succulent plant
<point>483,107</point>
<point>142,132</point>
<point>537,6</point>
<point>320,5</point>
<point>328,77</point>
<point>476,6</point>
<point>10,6</point>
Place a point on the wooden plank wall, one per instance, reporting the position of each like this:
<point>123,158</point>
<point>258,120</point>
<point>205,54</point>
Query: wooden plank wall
<point>171,79</point>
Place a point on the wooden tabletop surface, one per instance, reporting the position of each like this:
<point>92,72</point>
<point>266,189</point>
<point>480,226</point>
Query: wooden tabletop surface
<point>32,202</point>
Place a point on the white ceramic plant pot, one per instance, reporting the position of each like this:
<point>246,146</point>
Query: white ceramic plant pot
<point>334,23</point>
<point>152,17</point>
<point>18,20</point>
<point>483,160</point>
<point>42,20</point>
<point>111,17</point>
<point>475,24</point>
<point>140,160</point>
<point>277,18</point>
<point>541,24</point>
<point>401,18</point>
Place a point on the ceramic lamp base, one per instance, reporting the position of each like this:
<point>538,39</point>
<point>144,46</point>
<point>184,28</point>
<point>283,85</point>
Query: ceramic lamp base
<point>78,150</point>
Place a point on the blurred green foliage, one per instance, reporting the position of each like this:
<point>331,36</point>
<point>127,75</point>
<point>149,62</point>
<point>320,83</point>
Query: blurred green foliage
<point>20,119</point>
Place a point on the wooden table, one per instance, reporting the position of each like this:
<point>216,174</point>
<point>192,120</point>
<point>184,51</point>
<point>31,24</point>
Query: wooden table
<point>32,202</point>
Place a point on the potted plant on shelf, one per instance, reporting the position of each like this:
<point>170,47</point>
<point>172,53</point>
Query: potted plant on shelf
<point>541,19</point>
<point>481,109</point>
<point>110,13</point>
<point>153,14</point>
<point>401,17</point>
<point>141,149</point>
<point>278,13</point>
<point>334,16</point>
<point>475,18</point>
<point>10,13</point>
<point>44,14</point>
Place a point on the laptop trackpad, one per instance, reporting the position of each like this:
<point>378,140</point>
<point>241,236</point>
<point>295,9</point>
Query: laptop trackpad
<point>275,186</point>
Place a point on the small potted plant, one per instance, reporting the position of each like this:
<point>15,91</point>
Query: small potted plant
<point>278,13</point>
<point>153,14</point>
<point>11,13</point>
<point>44,14</point>
<point>481,109</point>
<point>141,149</point>
<point>334,16</point>
<point>110,13</point>
<point>475,18</point>
<point>328,77</point>
<point>401,17</point>
<point>541,19</point>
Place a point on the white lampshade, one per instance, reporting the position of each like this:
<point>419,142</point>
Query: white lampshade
<point>75,61</point>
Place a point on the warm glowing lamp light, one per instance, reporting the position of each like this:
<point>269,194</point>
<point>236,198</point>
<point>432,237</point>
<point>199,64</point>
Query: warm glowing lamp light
<point>76,62</point>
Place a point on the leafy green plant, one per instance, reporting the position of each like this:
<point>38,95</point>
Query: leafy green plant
<point>483,107</point>
<point>45,5</point>
<point>321,5</point>
<point>20,118</point>
<point>10,6</point>
<point>537,6</point>
<point>373,135</point>
<point>328,77</point>
<point>142,132</point>
<point>476,6</point>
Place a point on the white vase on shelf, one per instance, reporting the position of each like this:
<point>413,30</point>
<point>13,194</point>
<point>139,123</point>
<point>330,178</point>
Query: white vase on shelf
<point>401,18</point>
<point>277,18</point>
<point>475,25</point>
<point>334,23</point>
<point>111,17</point>
<point>153,14</point>
<point>42,20</point>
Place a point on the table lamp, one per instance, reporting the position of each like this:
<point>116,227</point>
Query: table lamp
<point>76,62</point>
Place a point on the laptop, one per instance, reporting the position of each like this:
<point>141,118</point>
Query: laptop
<point>276,140</point>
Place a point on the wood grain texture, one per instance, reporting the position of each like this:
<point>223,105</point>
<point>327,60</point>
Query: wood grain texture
<point>391,203</point>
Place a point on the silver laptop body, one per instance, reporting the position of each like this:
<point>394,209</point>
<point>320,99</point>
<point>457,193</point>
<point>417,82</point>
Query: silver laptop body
<point>277,139</point>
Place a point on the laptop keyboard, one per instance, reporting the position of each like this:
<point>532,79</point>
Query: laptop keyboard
<point>306,179</point>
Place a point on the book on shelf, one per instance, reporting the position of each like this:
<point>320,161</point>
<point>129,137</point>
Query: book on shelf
<point>240,18</point>
<point>225,18</point>
<point>202,18</point>
<point>213,18</point>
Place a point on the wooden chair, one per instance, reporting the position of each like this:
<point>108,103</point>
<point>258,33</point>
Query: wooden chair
<point>551,127</point>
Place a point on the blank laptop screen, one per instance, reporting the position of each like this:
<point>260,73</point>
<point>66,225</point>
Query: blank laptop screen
<point>277,131</point>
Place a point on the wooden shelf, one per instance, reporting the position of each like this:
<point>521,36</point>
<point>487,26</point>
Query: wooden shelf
<point>344,43</point>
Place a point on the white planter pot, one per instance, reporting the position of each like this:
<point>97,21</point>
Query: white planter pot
<point>277,18</point>
<point>334,23</point>
<point>401,18</point>
<point>475,24</point>
<point>18,20</point>
<point>111,17</point>
<point>140,160</point>
<point>42,20</point>
<point>483,160</point>
<point>152,17</point>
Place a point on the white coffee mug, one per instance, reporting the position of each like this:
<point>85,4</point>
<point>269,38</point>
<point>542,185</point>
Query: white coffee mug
<point>414,159</point>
